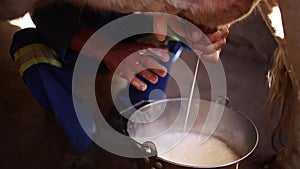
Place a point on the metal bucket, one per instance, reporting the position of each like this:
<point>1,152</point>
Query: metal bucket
<point>236,130</point>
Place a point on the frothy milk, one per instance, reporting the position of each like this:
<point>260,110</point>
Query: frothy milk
<point>189,151</point>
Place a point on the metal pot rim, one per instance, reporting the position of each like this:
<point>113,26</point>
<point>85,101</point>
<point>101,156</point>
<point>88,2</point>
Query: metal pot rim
<point>220,166</point>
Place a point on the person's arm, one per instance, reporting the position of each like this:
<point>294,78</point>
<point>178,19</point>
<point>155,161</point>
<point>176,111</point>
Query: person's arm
<point>125,59</point>
<point>60,26</point>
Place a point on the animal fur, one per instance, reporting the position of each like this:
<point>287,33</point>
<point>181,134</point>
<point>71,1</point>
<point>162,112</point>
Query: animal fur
<point>211,13</point>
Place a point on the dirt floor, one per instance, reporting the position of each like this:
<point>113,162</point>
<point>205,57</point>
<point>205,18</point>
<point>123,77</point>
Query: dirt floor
<point>31,138</point>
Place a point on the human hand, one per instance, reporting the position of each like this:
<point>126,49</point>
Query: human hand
<point>210,43</point>
<point>129,59</point>
<point>205,40</point>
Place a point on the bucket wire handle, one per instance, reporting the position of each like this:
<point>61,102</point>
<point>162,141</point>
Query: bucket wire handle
<point>133,107</point>
<point>127,112</point>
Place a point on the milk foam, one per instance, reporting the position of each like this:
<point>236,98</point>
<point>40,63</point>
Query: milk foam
<point>189,151</point>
